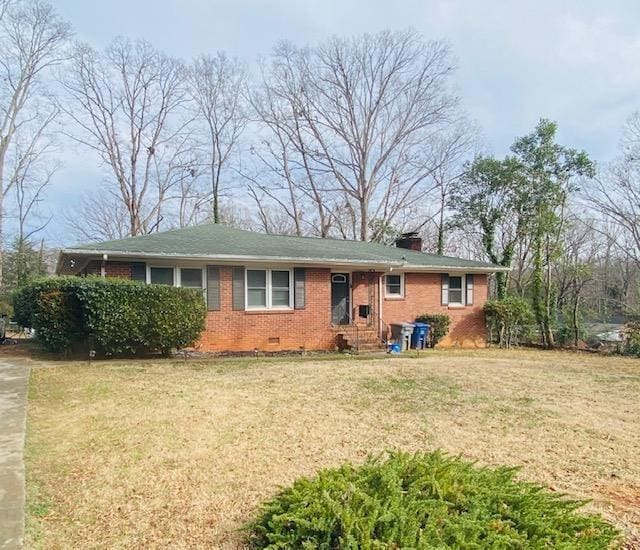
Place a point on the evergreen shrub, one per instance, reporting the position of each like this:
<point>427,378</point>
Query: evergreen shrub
<point>426,500</point>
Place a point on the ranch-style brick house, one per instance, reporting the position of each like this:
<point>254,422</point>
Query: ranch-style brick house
<point>281,293</point>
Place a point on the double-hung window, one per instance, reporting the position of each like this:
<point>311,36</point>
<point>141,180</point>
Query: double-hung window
<point>394,286</point>
<point>455,290</point>
<point>269,289</point>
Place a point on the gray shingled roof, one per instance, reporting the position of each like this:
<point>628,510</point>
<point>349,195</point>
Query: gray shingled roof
<point>215,240</point>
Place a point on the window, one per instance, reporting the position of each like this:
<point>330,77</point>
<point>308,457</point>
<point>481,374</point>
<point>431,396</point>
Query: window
<point>280,289</point>
<point>256,288</point>
<point>161,275</point>
<point>455,290</point>
<point>191,278</point>
<point>394,286</point>
<point>268,289</point>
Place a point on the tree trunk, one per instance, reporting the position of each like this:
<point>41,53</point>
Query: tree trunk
<point>1,237</point>
<point>576,309</point>
<point>501,285</point>
<point>440,250</point>
<point>538,308</point>
<point>215,184</point>
<point>548,309</point>
<point>216,209</point>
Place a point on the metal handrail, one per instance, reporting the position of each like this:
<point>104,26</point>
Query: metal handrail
<point>354,327</point>
<point>352,332</point>
<point>383,331</point>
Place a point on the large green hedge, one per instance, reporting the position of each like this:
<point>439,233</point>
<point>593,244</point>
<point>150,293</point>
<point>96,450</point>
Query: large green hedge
<point>424,501</point>
<point>121,316</point>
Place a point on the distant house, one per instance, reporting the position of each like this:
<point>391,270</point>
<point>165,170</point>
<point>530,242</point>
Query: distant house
<point>276,292</point>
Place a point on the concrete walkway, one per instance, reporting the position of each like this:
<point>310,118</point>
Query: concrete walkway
<point>14,378</point>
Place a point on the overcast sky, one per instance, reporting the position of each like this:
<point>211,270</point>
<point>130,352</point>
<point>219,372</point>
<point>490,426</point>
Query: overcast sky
<point>574,62</point>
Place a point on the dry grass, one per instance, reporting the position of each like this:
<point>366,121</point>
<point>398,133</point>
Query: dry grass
<point>172,454</point>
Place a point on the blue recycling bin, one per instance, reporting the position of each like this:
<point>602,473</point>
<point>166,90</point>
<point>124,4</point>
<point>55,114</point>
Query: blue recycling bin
<point>419,335</point>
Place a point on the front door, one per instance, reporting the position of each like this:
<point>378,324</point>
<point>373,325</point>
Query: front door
<point>340,298</point>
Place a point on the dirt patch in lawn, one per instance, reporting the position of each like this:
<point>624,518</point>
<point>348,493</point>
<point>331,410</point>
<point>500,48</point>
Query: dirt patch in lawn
<point>174,454</point>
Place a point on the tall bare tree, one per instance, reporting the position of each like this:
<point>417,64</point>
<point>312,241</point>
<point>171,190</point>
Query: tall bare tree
<point>286,173</point>
<point>355,117</point>
<point>129,105</point>
<point>615,193</point>
<point>30,180</point>
<point>32,41</point>
<point>450,150</point>
<point>217,86</point>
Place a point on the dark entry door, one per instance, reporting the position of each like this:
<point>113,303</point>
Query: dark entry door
<point>340,298</point>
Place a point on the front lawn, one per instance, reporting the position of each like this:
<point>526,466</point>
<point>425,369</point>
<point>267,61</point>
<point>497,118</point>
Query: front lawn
<point>174,454</point>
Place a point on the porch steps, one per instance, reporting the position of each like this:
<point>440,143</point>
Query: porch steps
<point>364,339</point>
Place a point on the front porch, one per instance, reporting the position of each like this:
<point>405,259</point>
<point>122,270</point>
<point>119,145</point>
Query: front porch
<point>356,310</point>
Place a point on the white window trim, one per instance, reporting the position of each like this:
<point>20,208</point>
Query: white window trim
<point>149,267</point>
<point>463,294</point>
<point>394,296</point>
<point>269,306</point>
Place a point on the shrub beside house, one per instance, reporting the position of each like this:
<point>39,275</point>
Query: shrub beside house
<point>112,316</point>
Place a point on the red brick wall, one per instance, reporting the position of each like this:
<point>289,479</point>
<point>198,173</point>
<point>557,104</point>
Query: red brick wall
<point>229,330</point>
<point>422,294</point>
<point>113,269</point>
<point>364,291</point>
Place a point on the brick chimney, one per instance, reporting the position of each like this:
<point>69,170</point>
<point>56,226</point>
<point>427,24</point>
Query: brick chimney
<point>410,241</point>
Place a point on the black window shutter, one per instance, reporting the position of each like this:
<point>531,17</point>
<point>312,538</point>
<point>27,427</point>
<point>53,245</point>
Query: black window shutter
<point>238,288</point>
<point>444,284</point>
<point>213,288</point>
<point>469,293</point>
<point>299,275</point>
<point>139,271</point>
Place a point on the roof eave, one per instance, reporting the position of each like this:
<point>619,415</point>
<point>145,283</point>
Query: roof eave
<point>456,269</point>
<point>235,258</point>
<point>229,259</point>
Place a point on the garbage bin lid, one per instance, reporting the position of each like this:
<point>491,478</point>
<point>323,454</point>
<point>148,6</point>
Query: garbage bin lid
<point>407,325</point>
<point>418,324</point>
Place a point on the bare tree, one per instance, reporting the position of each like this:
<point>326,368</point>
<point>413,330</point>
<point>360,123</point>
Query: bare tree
<point>355,118</point>
<point>286,173</point>
<point>99,216</point>
<point>450,150</point>
<point>616,192</point>
<point>29,181</point>
<point>129,105</point>
<point>217,85</point>
<point>574,269</point>
<point>32,40</point>
<point>193,203</point>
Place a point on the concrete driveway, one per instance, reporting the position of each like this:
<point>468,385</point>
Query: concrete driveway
<point>14,378</point>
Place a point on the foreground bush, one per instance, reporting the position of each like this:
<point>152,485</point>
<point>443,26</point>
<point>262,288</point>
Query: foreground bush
<point>424,501</point>
<point>439,323</point>
<point>120,316</point>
